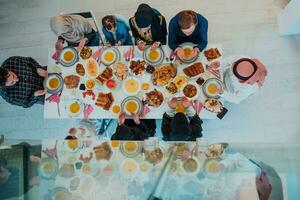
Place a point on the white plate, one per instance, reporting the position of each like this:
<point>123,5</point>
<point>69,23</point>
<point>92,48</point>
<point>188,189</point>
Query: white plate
<point>112,50</point>
<point>194,84</point>
<point>80,109</point>
<point>130,71</point>
<point>156,62</point>
<point>48,175</point>
<point>131,93</point>
<point>190,46</point>
<point>60,84</point>
<point>134,99</point>
<point>209,81</point>
<point>129,172</point>
<point>194,172</point>
<point>64,62</point>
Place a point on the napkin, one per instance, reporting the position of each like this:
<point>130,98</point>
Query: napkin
<point>146,110</point>
<point>54,97</point>
<point>55,56</point>
<point>216,73</point>
<point>132,53</point>
<point>88,109</point>
<point>197,105</point>
<point>97,54</point>
<point>127,53</point>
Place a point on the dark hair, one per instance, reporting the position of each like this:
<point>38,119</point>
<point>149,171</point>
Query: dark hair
<point>109,22</point>
<point>187,18</point>
<point>3,76</point>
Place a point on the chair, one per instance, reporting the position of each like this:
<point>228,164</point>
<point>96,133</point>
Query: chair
<point>89,15</point>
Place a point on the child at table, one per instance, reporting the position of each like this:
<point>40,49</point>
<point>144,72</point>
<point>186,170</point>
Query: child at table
<point>116,31</point>
<point>242,75</point>
<point>134,129</point>
<point>181,122</point>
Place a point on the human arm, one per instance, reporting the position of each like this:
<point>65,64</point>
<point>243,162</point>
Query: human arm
<point>172,42</point>
<point>203,29</point>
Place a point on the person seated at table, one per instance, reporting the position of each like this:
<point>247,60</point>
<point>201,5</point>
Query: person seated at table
<point>116,31</point>
<point>243,77</point>
<point>134,129</point>
<point>22,81</point>
<point>74,29</point>
<point>180,122</point>
<point>188,26</point>
<point>148,27</point>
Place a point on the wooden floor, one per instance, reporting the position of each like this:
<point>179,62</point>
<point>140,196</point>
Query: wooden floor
<point>241,26</point>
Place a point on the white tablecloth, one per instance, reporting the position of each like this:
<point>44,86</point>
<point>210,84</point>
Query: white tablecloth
<point>51,110</point>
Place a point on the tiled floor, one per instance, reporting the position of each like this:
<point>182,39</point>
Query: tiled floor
<point>241,26</point>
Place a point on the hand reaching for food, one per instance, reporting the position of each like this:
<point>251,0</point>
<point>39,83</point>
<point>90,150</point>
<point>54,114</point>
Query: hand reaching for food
<point>59,45</point>
<point>186,102</point>
<point>118,43</point>
<point>173,103</point>
<point>41,72</point>
<point>121,118</point>
<point>179,52</point>
<point>142,45</point>
<point>40,92</point>
<point>195,52</point>
<point>154,46</point>
<point>135,118</point>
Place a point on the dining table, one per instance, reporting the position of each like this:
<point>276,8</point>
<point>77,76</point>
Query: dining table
<point>57,105</point>
<point>135,170</point>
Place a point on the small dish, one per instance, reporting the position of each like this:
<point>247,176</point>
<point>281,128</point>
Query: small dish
<point>54,83</point>
<point>110,55</point>
<point>68,56</point>
<point>48,168</point>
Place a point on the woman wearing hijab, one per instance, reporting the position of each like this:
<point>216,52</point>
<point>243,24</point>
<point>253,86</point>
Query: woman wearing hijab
<point>243,76</point>
<point>74,29</point>
<point>115,31</point>
<point>134,129</point>
<point>148,27</point>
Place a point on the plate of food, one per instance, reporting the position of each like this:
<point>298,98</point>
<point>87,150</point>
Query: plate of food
<point>75,108</point>
<point>191,166</point>
<point>90,84</point>
<point>216,150</point>
<point>80,69</point>
<point>191,91</point>
<point>130,149</point>
<point>131,86</point>
<point>164,74</point>
<point>120,70</point>
<point>68,56</point>
<point>71,81</point>
<point>154,57</point>
<point>105,100</point>
<point>194,70</point>
<point>154,157</point>
<point>61,193</point>
<point>72,145</point>
<point>154,98</point>
<point>110,55</point>
<point>212,87</point>
<point>213,105</point>
<point>212,54</point>
<point>132,104</point>
<point>177,83</point>
<point>137,66</point>
<point>48,168</point>
<point>212,167</point>
<point>187,51</point>
<point>129,167</point>
<point>54,83</point>
<point>116,109</point>
<point>92,68</point>
<point>105,75</point>
<point>86,53</point>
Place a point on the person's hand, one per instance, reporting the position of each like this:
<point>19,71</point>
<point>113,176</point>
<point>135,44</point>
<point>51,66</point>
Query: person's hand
<point>121,118</point>
<point>186,102</point>
<point>59,45</point>
<point>135,118</point>
<point>82,43</point>
<point>154,46</point>
<point>173,103</point>
<point>214,65</point>
<point>142,45</point>
<point>40,92</point>
<point>263,186</point>
<point>118,43</point>
<point>179,52</point>
<point>41,72</point>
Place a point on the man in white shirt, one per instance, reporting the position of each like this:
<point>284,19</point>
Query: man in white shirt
<point>242,76</point>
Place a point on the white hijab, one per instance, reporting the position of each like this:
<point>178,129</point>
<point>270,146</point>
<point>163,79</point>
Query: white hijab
<point>71,27</point>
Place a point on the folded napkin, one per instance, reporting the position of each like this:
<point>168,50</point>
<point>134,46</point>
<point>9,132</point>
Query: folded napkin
<point>55,56</point>
<point>131,53</point>
<point>88,109</point>
<point>197,105</point>
<point>146,110</point>
<point>54,97</point>
<point>96,54</point>
<point>127,53</point>
<point>173,55</point>
<point>214,72</point>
